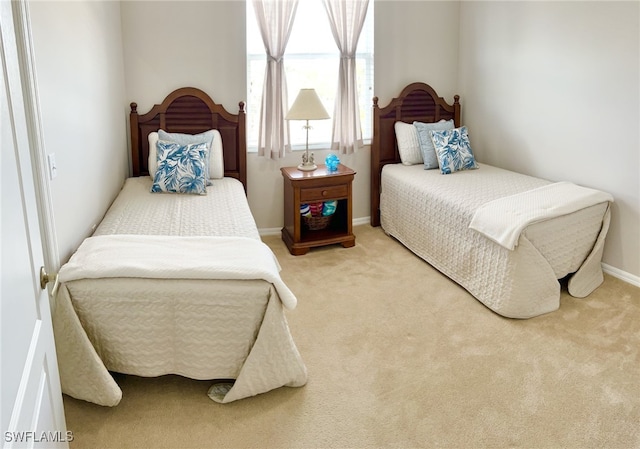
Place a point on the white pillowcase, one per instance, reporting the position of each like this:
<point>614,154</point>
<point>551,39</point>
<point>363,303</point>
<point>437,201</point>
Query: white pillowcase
<point>408,144</point>
<point>152,163</point>
<point>216,155</point>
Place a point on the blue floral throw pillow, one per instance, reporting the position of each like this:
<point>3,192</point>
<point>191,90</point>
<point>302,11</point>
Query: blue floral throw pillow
<point>186,139</point>
<point>453,150</point>
<point>181,168</point>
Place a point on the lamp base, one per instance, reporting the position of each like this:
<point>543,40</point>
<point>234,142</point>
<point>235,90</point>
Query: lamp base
<point>307,166</point>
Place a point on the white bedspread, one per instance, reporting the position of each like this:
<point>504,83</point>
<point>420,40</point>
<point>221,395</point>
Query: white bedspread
<point>503,220</point>
<point>175,284</point>
<point>170,257</point>
<point>272,360</point>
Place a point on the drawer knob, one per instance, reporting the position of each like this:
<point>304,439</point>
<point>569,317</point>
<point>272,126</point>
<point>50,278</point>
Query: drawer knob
<point>324,193</point>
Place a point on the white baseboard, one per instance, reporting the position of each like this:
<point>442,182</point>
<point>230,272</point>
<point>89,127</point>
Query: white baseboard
<point>361,221</point>
<point>276,231</point>
<point>622,275</point>
<point>269,231</point>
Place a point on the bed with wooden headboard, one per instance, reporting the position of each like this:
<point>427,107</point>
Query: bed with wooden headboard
<point>177,283</point>
<point>470,223</point>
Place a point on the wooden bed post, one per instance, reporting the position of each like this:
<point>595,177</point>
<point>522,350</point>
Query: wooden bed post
<point>135,152</point>
<point>375,166</point>
<point>242,145</point>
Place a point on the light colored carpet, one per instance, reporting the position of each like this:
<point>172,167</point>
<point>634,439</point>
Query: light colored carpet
<point>401,357</point>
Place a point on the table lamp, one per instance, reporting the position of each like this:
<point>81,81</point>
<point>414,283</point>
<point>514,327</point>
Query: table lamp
<point>307,106</point>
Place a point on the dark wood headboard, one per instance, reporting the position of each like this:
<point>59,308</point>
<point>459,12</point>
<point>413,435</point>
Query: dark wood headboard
<point>191,111</point>
<point>417,102</point>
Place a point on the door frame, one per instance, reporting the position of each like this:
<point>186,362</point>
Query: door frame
<point>21,82</point>
<point>44,200</point>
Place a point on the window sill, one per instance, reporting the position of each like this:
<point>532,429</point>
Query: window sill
<point>315,147</point>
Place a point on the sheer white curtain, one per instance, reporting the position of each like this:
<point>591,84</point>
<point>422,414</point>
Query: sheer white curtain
<point>346,19</point>
<point>275,20</point>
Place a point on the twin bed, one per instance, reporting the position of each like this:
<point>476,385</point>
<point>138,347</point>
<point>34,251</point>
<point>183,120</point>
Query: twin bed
<point>505,237</point>
<point>177,283</point>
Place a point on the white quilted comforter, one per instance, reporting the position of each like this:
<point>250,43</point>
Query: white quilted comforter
<point>201,296</point>
<point>431,214</point>
<point>223,211</point>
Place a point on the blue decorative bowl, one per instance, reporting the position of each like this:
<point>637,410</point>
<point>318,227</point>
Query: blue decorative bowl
<point>332,161</point>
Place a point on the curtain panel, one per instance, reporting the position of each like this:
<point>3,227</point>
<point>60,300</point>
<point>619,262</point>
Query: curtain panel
<point>275,21</point>
<point>346,19</point>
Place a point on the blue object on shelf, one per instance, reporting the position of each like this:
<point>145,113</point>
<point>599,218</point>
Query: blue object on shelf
<point>329,207</point>
<point>332,161</point>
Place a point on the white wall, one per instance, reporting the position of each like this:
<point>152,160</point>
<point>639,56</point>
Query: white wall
<point>209,53</point>
<point>551,89</point>
<point>80,77</point>
<point>173,44</point>
<point>416,41</point>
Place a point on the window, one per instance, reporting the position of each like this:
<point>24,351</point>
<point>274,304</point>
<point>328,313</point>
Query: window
<point>311,61</point>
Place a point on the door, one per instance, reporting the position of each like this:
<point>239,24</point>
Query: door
<point>32,412</point>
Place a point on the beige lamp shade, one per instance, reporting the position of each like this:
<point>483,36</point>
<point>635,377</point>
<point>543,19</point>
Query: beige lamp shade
<point>307,107</point>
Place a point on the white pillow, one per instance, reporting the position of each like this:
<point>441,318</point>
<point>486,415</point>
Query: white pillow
<point>153,154</point>
<point>216,152</point>
<point>216,161</point>
<point>408,145</point>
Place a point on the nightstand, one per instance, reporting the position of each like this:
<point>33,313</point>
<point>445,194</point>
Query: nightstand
<point>305,187</point>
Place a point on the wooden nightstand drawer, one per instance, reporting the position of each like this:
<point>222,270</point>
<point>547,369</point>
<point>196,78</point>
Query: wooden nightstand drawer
<point>324,193</point>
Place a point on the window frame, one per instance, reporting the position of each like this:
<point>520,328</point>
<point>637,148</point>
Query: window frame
<point>256,62</point>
